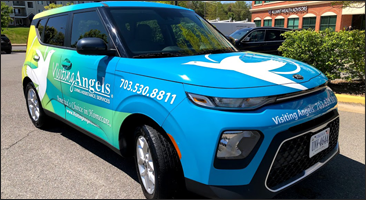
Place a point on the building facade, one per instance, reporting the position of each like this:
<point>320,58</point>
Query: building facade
<point>24,11</point>
<point>317,15</point>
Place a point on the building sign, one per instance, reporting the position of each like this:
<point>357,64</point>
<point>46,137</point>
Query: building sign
<point>289,10</point>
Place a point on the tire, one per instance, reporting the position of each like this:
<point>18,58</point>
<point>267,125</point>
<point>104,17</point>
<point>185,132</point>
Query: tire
<point>161,163</point>
<point>34,107</point>
<point>8,51</point>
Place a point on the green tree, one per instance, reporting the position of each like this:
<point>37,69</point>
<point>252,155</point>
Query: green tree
<point>5,15</point>
<point>333,53</point>
<point>52,6</point>
<point>349,4</point>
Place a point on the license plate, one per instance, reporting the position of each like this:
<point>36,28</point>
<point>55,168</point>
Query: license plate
<point>319,142</point>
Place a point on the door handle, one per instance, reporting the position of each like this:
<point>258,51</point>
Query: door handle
<point>66,64</point>
<point>36,58</point>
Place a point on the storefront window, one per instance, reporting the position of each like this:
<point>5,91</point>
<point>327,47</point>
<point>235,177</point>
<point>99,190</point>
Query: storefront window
<point>293,23</point>
<point>257,23</point>
<point>358,22</point>
<point>328,22</point>
<point>308,22</point>
<point>279,22</point>
<point>267,22</point>
<point>257,2</point>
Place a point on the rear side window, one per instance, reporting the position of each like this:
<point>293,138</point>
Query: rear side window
<point>40,28</point>
<point>281,37</point>
<point>87,24</point>
<point>55,31</point>
<point>273,35</point>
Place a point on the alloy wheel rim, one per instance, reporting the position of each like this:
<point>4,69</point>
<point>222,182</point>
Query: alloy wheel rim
<point>33,104</point>
<point>145,164</point>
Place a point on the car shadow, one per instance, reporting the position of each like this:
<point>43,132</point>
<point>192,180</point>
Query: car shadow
<point>340,178</point>
<point>125,164</point>
<point>13,52</point>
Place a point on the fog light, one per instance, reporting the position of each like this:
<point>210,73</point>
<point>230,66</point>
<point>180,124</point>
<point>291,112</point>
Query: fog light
<point>237,144</point>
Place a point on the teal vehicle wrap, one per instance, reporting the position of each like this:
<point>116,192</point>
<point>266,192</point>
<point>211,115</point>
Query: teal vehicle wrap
<point>226,115</point>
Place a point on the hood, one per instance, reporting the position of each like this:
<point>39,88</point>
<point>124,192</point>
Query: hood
<point>226,70</point>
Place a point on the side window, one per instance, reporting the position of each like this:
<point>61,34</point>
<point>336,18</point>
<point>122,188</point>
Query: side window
<point>281,37</point>
<point>87,24</point>
<point>257,36</point>
<point>273,35</point>
<point>55,31</point>
<point>40,28</point>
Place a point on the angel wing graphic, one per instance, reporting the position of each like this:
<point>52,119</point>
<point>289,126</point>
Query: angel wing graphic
<point>260,70</point>
<point>39,75</point>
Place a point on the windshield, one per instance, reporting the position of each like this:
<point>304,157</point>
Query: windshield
<point>165,32</point>
<point>240,33</point>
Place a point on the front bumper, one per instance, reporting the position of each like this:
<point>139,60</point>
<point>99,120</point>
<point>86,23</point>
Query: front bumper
<point>266,185</point>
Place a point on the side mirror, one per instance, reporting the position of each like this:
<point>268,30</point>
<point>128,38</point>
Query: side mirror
<point>231,39</point>
<point>93,46</point>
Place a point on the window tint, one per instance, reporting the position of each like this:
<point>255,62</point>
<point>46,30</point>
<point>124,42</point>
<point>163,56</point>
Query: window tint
<point>272,35</point>
<point>86,25</point>
<point>55,31</point>
<point>153,25</point>
<point>240,33</point>
<point>281,37</point>
<point>154,30</point>
<point>41,28</point>
<point>257,36</point>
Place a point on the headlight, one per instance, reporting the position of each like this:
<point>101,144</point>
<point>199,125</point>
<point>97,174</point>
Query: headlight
<point>237,144</point>
<point>230,103</point>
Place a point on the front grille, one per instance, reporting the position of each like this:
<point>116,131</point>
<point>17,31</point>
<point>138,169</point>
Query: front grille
<point>293,157</point>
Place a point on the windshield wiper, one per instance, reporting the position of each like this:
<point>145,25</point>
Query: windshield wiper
<point>158,55</point>
<point>213,51</point>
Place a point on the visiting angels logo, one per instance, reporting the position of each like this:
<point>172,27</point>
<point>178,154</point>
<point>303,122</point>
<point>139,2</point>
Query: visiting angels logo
<point>39,74</point>
<point>260,70</point>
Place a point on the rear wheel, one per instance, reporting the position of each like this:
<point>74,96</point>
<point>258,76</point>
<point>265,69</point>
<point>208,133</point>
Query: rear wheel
<point>34,106</point>
<point>8,51</point>
<point>157,164</point>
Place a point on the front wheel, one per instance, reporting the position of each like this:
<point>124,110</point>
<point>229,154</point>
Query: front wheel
<point>157,164</point>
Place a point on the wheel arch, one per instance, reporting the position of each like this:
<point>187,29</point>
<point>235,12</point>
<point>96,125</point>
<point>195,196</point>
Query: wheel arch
<point>128,126</point>
<point>26,80</point>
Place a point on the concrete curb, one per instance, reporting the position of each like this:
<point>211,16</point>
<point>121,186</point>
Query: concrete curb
<point>350,99</point>
<point>18,44</point>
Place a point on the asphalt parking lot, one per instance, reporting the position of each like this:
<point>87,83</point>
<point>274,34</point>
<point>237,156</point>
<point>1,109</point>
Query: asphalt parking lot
<point>61,162</point>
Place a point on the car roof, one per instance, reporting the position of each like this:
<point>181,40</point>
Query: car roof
<point>105,4</point>
<point>269,27</point>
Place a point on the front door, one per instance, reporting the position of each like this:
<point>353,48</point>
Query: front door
<point>87,86</point>
<point>254,41</point>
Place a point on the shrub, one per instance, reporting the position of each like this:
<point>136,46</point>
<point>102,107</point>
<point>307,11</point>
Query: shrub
<point>333,53</point>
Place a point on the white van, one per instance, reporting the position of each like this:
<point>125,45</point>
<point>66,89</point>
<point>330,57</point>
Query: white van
<point>227,28</point>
